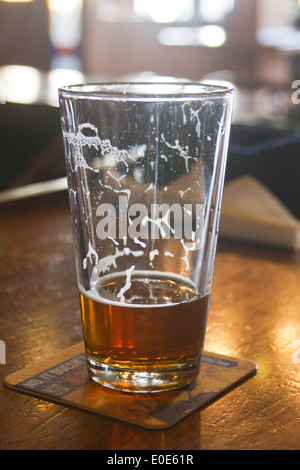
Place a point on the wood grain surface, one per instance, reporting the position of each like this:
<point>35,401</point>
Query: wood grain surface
<point>254,314</point>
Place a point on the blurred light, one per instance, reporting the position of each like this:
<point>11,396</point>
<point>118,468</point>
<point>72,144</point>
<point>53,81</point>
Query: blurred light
<point>215,10</point>
<point>65,23</point>
<point>21,84</point>
<point>165,11</point>
<point>114,11</point>
<point>65,6</point>
<point>212,36</point>
<point>61,77</point>
<point>17,1</point>
<point>65,61</point>
<point>209,36</point>
<point>285,38</point>
<point>176,36</point>
<point>2,92</point>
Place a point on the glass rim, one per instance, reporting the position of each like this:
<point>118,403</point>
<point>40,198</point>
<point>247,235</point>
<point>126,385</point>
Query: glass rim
<point>145,90</point>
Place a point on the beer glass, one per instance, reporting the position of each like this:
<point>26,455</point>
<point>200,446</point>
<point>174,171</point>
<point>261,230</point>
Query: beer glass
<point>145,166</point>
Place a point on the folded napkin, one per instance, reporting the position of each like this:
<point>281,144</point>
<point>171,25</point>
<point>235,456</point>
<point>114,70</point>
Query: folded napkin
<point>252,213</point>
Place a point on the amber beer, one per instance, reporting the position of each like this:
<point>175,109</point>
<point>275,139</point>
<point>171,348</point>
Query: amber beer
<point>159,327</point>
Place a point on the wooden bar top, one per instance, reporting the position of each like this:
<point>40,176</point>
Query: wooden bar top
<point>254,314</point>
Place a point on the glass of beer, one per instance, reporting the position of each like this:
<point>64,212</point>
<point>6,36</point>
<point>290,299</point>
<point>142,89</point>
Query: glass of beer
<point>145,166</point>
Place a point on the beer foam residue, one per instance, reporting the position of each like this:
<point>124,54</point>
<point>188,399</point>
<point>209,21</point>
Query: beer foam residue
<point>87,136</point>
<point>105,263</point>
<point>177,282</point>
<point>152,254</point>
<point>183,152</point>
<point>127,284</point>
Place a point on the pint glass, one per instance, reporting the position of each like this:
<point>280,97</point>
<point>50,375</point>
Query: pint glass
<point>145,167</point>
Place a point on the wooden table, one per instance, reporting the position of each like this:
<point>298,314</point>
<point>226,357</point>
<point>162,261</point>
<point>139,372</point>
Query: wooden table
<point>254,314</point>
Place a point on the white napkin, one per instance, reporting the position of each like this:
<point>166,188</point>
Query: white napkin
<point>252,213</point>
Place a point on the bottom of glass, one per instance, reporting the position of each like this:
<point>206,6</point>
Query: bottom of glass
<point>143,381</point>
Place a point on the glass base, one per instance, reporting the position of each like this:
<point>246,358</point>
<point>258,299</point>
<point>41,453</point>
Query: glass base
<point>143,381</point>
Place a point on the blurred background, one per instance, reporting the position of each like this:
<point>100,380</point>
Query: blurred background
<point>253,44</point>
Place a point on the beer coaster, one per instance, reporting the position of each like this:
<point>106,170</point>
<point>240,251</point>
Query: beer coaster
<point>64,379</point>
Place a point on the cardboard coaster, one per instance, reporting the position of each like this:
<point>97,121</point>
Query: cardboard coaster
<point>64,379</point>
